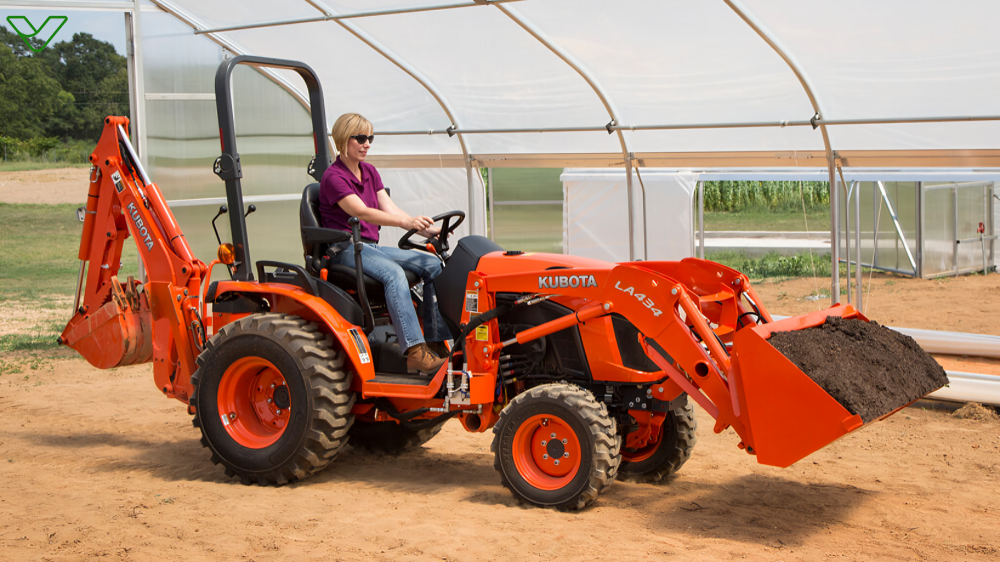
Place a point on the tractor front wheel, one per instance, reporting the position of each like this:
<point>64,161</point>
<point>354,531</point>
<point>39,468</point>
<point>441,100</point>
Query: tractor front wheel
<point>272,398</point>
<point>556,446</point>
<point>671,450</point>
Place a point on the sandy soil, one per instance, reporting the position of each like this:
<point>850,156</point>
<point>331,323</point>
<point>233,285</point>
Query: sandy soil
<point>97,465</point>
<point>68,185</point>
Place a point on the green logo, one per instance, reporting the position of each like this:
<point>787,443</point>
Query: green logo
<point>35,32</point>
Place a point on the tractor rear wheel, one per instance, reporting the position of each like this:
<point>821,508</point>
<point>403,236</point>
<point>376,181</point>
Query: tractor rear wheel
<point>556,446</point>
<point>391,438</point>
<point>665,457</point>
<point>272,398</point>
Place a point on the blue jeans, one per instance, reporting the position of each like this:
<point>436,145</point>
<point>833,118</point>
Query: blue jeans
<point>387,264</point>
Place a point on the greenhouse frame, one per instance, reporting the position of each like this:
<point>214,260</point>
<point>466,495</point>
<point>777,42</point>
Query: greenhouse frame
<point>864,96</point>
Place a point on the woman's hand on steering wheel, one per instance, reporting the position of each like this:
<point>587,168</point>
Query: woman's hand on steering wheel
<point>439,240</point>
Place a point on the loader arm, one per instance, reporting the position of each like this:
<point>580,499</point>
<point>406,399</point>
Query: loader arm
<point>119,323</point>
<point>693,317</point>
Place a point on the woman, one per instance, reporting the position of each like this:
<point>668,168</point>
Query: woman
<point>353,188</point>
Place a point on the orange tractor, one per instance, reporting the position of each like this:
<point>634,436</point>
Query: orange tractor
<point>584,370</point>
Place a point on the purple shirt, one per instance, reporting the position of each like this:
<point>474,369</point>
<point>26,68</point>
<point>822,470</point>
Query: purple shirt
<point>339,182</point>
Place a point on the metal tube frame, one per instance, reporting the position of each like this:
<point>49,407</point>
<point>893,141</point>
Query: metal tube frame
<point>847,233</point>
<point>564,56</point>
<point>337,17</point>
<point>695,126</point>
<point>701,219</point>
<point>857,245</point>
<point>899,229</point>
<point>491,196</point>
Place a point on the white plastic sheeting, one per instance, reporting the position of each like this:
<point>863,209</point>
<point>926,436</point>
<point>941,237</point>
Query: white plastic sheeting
<point>595,214</point>
<point>431,192</point>
<point>538,64</point>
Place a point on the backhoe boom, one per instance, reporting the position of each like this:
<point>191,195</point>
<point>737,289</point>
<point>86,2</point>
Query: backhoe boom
<point>119,323</point>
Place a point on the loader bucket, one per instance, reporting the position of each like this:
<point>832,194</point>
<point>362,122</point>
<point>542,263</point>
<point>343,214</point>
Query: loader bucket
<point>787,415</point>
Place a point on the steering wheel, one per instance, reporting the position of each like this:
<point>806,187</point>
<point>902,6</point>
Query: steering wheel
<point>439,242</point>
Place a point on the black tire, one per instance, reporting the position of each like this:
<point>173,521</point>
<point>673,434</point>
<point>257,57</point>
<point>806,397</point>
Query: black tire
<point>677,440</point>
<point>576,414</point>
<point>317,399</point>
<point>391,438</point>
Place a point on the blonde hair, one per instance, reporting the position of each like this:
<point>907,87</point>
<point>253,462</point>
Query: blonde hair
<point>347,126</point>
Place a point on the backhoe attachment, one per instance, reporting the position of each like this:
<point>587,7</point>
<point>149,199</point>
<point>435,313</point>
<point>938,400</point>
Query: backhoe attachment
<point>114,323</point>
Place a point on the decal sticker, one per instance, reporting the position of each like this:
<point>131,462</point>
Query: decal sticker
<point>117,178</point>
<point>641,297</point>
<point>564,281</point>
<point>360,345</point>
<point>225,419</point>
<point>482,333</point>
<point>472,301</point>
<point>140,227</point>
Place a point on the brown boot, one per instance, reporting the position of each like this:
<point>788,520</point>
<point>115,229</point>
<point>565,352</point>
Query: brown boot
<point>439,348</point>
<point>421,358</point>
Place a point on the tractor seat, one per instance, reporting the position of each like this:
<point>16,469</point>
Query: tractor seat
<point>316,240</point>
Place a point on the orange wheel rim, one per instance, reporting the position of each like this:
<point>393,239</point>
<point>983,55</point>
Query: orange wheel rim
<point>644,453</point>
<point>254,402</point>
<point>546,452</point>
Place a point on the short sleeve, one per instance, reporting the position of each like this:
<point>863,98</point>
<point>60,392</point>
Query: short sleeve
<point>376,178</point>
<point>333,188</point>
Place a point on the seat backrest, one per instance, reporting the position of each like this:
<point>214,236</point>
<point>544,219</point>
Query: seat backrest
<point>309,213</point>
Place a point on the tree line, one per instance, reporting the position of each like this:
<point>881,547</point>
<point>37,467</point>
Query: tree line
<point>60,94</point>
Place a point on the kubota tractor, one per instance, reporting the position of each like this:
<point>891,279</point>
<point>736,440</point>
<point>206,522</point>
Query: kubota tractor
<point>584,370</point>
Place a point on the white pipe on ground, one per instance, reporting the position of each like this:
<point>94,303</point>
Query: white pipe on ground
<point>969,387</point>
<point>954,343</point>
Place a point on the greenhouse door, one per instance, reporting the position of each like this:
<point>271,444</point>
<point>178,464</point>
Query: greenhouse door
<point>959,236</point>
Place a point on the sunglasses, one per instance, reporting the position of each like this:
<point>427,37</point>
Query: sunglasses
<point>363,138</point>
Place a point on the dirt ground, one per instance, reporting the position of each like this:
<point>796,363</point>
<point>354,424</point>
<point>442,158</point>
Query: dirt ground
<point>97,465</point>
<point>66,185</point>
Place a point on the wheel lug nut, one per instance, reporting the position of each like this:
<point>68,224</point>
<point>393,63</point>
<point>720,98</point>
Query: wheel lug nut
<point>557,462</point>
<point>272,385</point>
<point>564,441</point>
<point>279,412</point>
<point>268,400</point>
<point>545,456</point>
<point>565,455</point>
<point>232,415</point>
<point>543,443</point>
<point>553,435</point>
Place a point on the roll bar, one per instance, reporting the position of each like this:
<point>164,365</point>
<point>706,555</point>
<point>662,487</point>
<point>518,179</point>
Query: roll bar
<point>227,166</point>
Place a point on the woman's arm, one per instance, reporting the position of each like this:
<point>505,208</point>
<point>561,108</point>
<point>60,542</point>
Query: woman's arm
<point>391,216</point>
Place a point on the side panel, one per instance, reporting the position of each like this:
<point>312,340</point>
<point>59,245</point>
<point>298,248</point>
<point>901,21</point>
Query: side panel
<point>293,300</point>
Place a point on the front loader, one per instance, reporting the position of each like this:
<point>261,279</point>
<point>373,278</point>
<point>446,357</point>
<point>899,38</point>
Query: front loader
<point>584,370</point>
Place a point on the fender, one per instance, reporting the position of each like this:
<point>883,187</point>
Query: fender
<point>293,300</point>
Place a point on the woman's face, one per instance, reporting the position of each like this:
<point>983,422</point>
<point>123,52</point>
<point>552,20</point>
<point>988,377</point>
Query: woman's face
<point>357,151</point>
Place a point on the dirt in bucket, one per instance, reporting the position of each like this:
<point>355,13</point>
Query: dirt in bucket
<point>870,369</point>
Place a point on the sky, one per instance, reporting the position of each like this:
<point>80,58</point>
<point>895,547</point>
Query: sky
<point>104,25</point>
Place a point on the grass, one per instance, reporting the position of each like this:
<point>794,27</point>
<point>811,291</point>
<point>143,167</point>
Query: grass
<point>773,265</point>
<point>784,221</point>
<point>29,342</point>
<point>38,251</point>
<point>29,166</point>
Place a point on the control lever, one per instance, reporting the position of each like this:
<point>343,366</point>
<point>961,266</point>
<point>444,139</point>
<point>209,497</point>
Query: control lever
<point>222,210</point>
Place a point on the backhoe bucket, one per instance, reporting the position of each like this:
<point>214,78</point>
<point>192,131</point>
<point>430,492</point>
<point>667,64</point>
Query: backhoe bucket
<point>786,414</point>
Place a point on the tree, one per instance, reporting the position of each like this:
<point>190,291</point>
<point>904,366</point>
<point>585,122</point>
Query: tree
<point>65,90</point>
<point>30,98</point>
<point>96,76</point>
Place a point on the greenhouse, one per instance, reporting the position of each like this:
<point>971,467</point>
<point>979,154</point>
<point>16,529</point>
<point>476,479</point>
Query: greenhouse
<point>631,105</point>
